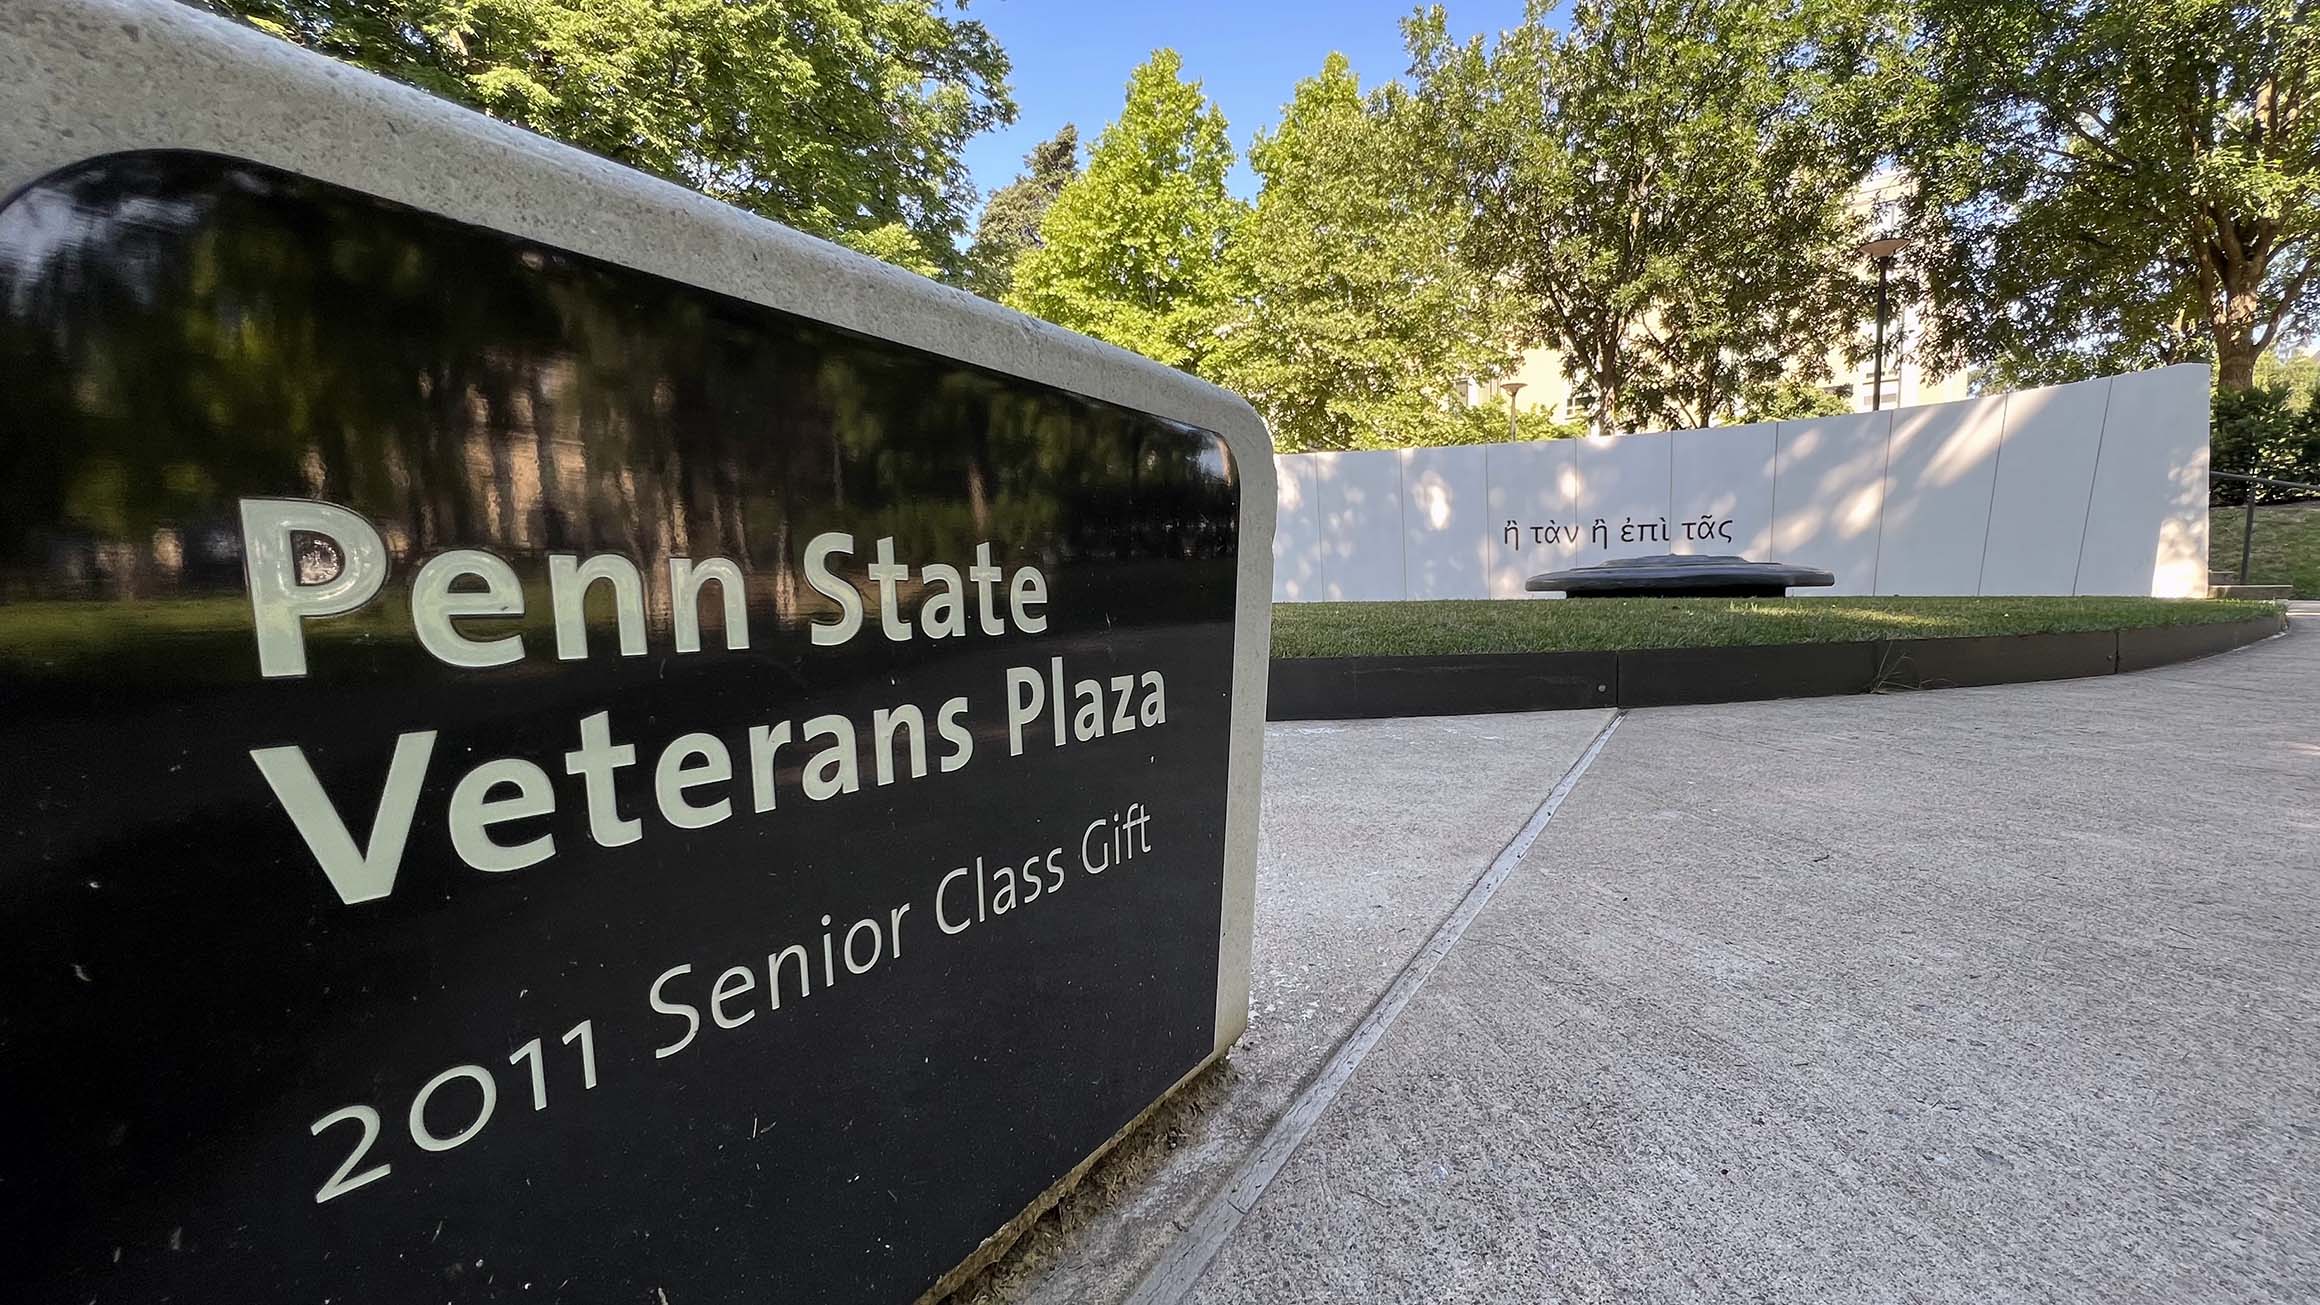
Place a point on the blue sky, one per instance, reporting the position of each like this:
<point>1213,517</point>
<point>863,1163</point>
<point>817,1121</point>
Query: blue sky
<point>1072,59</point>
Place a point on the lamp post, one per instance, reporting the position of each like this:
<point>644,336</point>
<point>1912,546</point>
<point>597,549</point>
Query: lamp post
<point>1513,432</point>
<point>1882,252</point>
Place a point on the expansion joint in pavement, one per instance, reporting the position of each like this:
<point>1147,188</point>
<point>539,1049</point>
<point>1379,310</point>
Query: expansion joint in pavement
<point>1181,1266</point>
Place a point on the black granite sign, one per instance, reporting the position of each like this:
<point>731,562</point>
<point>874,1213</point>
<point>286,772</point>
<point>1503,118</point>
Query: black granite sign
<point>529,781</point>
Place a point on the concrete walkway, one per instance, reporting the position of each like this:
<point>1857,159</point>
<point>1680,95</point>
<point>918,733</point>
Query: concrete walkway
<point>1991,994</point>
<point>1371,832</point>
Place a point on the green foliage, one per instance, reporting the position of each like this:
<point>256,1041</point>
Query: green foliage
<point>2107,184</point>
<point>1485,423</point>
<point>1665,186</point>
<point>2265,431</point>
<point>1787,399</point>
<point>1011,217</point>
<point>842,118</point>
<point>2299,374</point>
<point>1132,250</point>
<point>1353,323</point>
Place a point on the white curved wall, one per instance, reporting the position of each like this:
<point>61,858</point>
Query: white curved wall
<point>2094,488</point>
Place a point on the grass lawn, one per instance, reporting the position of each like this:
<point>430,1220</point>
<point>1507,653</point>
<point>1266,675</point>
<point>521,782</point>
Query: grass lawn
<point>2287,548</point>
<point>1488,626</point>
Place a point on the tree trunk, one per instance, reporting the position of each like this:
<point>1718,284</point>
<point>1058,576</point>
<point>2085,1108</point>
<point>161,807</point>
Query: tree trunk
<point>2235,359</point>
<point>2235,333</point>
<point>1607,388</point>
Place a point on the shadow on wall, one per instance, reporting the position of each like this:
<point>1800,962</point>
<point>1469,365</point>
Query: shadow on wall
<point>2098,487</point>
<point>1829,492</point>
<point>1296,531</point>
<point>1948,454</point>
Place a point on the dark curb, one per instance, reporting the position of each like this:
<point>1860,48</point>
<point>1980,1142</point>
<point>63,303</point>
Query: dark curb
<point>1997,659</point>
<point>1358,688</point>
<point>1670,677</point>
<point>2140,650</point>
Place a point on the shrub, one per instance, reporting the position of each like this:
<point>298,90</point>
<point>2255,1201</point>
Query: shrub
<point>2265,431</point>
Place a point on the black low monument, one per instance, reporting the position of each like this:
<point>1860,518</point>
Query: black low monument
<point>1680,575</point>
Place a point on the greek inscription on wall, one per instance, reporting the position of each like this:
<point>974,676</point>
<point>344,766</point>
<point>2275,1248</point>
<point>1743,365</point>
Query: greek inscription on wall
<point>1601,532</point>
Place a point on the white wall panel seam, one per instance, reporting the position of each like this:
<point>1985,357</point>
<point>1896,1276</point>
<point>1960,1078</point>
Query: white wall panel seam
<point>2102,432</point>
<point>1997,469</point>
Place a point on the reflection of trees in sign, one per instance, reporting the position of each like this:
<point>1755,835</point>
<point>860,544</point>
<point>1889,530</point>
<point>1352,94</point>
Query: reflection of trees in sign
<point>178,330</point>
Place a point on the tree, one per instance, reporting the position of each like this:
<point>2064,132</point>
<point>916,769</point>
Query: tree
<point>2266,430</point>
<point>842,118</point>
<point>1132,249</point>
<point>1353,323</point>
<point>2113,183</point>
<point>2297,373</point>
<point>1666,186</point>
<point>1011,217</point>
